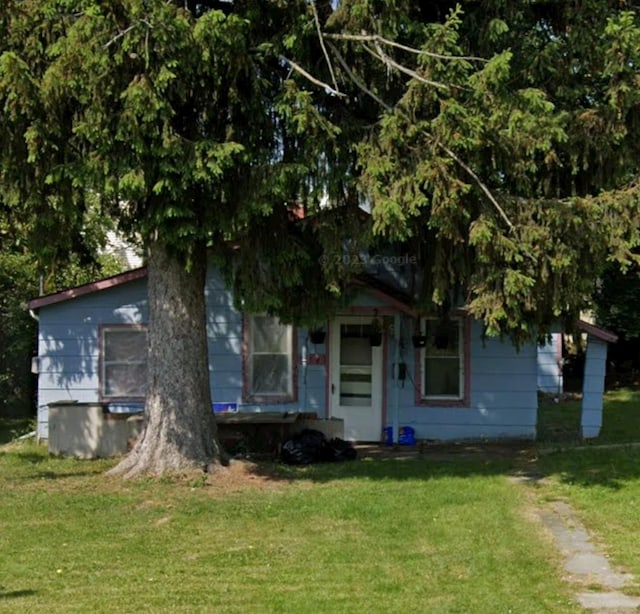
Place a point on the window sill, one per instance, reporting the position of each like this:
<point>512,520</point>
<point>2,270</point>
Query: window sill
<point>463,403</point>
<point>269,400</point>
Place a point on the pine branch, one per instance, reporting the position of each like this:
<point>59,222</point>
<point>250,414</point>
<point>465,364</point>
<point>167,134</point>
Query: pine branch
<point>391,63</point>
<point>357,81</point>
<point>311,78</point>
<point>385,41</point>
<point>387,107</point>
<point>480,184</point>
<point>324,49</point>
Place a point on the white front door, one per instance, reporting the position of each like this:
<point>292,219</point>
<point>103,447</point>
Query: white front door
<point>356,378</point>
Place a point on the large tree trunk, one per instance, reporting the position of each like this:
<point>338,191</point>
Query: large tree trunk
<point>180,433</point>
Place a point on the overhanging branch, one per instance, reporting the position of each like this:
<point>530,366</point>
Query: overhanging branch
<point>480,184</point>
<point>380,39</point>
<point>311,78</point>
<point>324,49</point>
<point>357,81</point>
<point>388,61</point>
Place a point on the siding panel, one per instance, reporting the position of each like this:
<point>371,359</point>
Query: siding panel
<point>502,401</point>
<point>503,381</point>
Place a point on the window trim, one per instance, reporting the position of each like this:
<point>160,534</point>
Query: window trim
<point>267,399</point>
<point>105,328</point>
<point>446,401</point>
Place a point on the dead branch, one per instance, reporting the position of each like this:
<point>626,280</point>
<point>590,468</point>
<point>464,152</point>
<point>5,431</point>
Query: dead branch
<point>357,81</point>
<point>385,41</point>
<point>118,36</point>
<point>126,31</point>
<point>324,49</point>
<point>311,78</point>
<point>391,63</point>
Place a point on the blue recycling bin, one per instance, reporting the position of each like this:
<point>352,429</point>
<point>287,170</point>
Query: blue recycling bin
<point>406,436</point>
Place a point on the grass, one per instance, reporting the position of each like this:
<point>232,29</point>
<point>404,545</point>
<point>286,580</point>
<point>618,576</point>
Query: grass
<point>603,485</point>
<point>12,428</point>
<point>368,536</point>
<point>560,422</point>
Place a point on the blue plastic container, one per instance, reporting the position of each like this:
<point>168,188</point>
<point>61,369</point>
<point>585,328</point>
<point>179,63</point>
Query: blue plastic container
<point>225,407</point>
<point>387,432</point>
<point>406,436</point>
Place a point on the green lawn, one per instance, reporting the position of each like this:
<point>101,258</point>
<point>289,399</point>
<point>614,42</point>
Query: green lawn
<point>603,485</point>
<point>560,422</point>
<point>368,536</point>
<point>599,478</point>
<point>12,428</point>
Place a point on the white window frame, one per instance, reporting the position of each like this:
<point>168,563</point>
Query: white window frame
<point>461,364</point>
<point>257,396</point>
<point>105,331</point>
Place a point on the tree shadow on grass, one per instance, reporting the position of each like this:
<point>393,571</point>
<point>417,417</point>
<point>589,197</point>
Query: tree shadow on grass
<point>5,594</point>
<point>610,467</point>
<point>31,465</point>
<point>32,458</point>
<point>409,464</point>
<point>59,475</point>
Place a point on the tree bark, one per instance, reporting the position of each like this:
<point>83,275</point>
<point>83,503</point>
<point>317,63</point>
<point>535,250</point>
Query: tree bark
<point>180,434</point>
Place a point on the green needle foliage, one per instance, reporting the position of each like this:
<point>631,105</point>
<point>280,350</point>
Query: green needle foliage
<point>507,160</point>
<point>496,141</point>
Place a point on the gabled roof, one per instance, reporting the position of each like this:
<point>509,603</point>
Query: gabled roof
<point>394,296</point>
<point>96,286</point>
<point>399,299</point>
<point>597,332</point>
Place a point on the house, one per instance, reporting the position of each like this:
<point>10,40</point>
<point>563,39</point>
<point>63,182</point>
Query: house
<point>454,385</point>
<point>550,363</point>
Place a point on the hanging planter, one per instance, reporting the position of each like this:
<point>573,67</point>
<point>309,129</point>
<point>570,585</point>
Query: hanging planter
<point>317,336</point>
<point>375,334</point>
<point>419,341</point>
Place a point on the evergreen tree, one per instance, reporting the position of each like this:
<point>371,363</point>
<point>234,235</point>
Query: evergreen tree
<point>498,141</point>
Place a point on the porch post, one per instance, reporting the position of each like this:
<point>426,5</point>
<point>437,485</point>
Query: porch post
<point>397,335</point>
<point>593,387</point>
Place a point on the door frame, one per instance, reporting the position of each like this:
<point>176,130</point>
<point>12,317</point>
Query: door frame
<point>378,365</point>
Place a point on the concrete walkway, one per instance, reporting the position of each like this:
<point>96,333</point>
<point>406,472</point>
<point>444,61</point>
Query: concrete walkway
<point>597,584</point>
<point>585,565</point>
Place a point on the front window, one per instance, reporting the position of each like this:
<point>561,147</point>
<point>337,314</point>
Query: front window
<point>124,362</point>
<point>268,360</point>
<point>443,360</point>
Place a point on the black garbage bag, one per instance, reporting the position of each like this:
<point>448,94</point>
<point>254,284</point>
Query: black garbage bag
<point>342,450</point>
<point>311,446</point>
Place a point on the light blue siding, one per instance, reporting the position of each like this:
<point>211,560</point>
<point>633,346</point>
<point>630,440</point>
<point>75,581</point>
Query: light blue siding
<point>69,353</point>
<point>502,398</point>
<point>549,367</point>
<point>502,392</point>
<point>593,387</point>
<point>225,339</point>
<point>68,343</point>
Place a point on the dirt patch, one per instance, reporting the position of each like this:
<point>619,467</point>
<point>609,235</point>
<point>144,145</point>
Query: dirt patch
<point>242,475</point>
